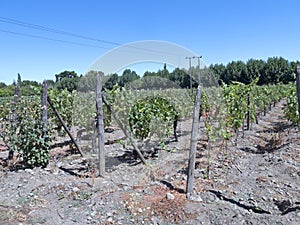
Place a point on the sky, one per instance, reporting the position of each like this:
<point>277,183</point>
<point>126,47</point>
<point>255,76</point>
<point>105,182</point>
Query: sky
<point>220,31</point>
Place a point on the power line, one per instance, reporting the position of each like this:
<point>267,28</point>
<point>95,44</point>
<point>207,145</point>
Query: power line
<point>51,30</point>
<point>50,39</point>
<point>39,27</point>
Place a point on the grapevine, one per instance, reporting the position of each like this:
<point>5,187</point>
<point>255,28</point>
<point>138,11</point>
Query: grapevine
<point>291,108</point>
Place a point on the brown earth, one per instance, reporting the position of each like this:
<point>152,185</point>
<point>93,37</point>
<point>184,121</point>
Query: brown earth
<point>255,181</point>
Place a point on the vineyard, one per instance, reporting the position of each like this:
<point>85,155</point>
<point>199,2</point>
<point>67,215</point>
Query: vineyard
<point>156,120</point>
<point>146,114</point>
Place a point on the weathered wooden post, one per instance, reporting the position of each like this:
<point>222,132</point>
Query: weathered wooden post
<point>194,139</point>
<point>14,117</point>
<point>64,125</point>
<point>298,92</point>
<point>100,127</point>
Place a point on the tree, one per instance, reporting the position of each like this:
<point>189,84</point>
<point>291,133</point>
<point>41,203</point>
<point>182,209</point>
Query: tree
<point>65,74</point>
<point>2,85</point>
<point>19,79</point>
<point>275,70</point>
<point>208,78</point>
<point>180,77</point>
<point>163,73</point>
<point>290,76</point>
<point>112,80</point>
<point>67,83</point>
<point>127,77</point>
<point>66,80</point>
<point>150,74</point>
<point>6,91</point>
<point>255,69</point>
<point>29,88</point>
<point>218,71</point>
<point>88,82</point>
<point>235,71</point>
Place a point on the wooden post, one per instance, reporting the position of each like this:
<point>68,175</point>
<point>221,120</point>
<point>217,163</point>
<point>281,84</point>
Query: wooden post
<point>127,134</point>
<point>44,104</point>
<point>64,125</point>
<point>298,92</point>
<point>14,116</point>
<point>100,127</point>
<point>194,138</point>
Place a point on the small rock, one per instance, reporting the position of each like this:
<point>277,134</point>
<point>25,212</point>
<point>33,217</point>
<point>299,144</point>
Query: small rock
<point>29,171</point>
<point>148,191</point>
<point>75,189</point>
<point>293,175</point>
<point>195,198</point>
<point>55,172</point>
<point>126,188</point>
<point>170,196</point>
<point>166,177</point>
<point>140,210</point>
<point>59,164</point>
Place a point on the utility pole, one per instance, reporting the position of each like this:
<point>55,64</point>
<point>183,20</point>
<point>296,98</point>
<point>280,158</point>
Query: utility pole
<point>198,57</point>
<point>190,65</point>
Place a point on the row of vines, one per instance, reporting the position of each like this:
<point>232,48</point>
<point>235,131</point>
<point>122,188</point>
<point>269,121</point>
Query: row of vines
<point>145,114</point>
<point>246,103</point>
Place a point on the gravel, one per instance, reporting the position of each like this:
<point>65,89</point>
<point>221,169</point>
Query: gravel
<point>253,182</point>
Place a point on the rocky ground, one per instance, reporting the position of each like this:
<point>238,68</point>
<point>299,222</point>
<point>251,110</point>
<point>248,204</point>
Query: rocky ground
<point>255,181</point>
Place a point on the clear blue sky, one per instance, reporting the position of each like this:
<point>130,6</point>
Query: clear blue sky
<point>219,30</point>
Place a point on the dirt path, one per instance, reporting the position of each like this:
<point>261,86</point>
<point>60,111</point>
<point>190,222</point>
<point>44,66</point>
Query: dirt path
<point>262,174</point>
<point>255,182</point>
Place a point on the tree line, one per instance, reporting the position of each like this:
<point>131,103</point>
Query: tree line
<point>27,87</point>
<point>272,71</point>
